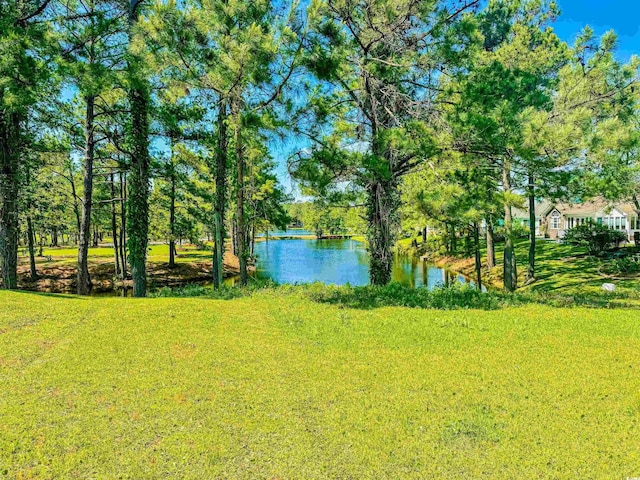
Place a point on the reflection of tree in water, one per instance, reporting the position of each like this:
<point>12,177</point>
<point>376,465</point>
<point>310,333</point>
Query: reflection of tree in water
<point>339,262</point>
<point>449,278</point>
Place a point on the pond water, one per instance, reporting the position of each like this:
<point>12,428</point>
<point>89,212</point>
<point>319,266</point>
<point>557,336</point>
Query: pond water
<point>339,262</point>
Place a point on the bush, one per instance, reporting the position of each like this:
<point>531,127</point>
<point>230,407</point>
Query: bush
<point>518,230</point>
<point>225,292</point>
<point>200,245</point>
<point>596,237</point>
<point>625,266</point>
<point>456,296</point>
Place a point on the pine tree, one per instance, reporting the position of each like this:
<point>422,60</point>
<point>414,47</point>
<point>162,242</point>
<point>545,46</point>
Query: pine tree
<point>377,65</point>
<point>24,74</point>
<point>139,96</point>
<point>90,51</point>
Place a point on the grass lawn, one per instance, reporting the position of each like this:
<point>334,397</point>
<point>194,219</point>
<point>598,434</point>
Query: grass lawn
<point>560,268</point>
<point>156,253</point>
<point>277,386</point>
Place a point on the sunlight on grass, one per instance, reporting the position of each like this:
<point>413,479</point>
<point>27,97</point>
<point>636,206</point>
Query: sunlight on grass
<point>157,253</point>
<point>279,386</point>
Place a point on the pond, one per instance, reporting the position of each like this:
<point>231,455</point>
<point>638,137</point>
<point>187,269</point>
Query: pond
<point>339,262</point>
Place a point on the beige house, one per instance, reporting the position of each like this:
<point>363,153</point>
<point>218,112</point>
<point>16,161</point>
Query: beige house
<point>554,219</point>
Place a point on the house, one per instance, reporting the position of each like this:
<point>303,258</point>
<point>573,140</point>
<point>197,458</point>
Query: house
<point>553,219</point>
<point>521,215</point>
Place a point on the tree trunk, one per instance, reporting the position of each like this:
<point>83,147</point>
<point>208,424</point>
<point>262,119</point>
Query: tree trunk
<point>253,238</point>
<point>531,267</point>
<point>172,221</point>
<point>138,202</point>
<point>9,187</point>
<point>241,234</point>
<point>74,194</point>
<point>234,235</point>
<point>114,225</point>
<point>381,208</point>
<point>510,277</point>
<point>221,196</point>
<point>54,237</point>
<point>447,239</point>
<point>424,235</point>
<point>84,280</point>
<point>32,249</point>
<point>123,224</point>
<point>491,249</point>
<point>478,260</point>
<point>454,240</point>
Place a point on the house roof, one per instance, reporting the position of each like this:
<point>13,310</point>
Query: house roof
<point>542,208</point>
<point>591,207</point>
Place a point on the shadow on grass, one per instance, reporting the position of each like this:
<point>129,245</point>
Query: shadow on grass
<point>67,296</point>
<point>196,254</point>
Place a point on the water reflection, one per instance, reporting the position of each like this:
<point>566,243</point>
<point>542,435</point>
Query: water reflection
<point>340,262</point>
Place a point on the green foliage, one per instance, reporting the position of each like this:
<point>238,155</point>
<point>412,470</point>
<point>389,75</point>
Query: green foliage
<point>328,220</point>
<point>625,265</point>
<point>395,294</point>
<point>518,230</point>
<point>225,292</point>
<point>597,238</point>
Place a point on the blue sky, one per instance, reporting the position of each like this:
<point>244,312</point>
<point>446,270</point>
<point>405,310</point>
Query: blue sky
<point>623,16</point>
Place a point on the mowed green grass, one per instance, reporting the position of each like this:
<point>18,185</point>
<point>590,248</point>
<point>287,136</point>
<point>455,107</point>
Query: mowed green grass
<point>276,386</point>
<point>158,253</point>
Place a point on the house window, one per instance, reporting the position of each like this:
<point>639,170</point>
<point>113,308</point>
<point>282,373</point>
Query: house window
<point>618,223</point>
<point>555,220</point>
<point>599,220</point>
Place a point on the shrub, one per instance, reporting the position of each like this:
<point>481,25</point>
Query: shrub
<point>456,296</point>
<point>225,292</point>
<point>596,237</point>
<point>436,244</point>
<point>200,245</point>
<point>518,230</point>
<point>625,265</point>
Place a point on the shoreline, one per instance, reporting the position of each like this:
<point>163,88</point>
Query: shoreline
<point>461,265</point>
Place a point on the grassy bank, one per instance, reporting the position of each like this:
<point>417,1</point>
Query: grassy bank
<point>288,383</point>
<point>560,268</point>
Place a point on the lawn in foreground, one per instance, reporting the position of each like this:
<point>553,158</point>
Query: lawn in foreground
<point>277,386</point>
